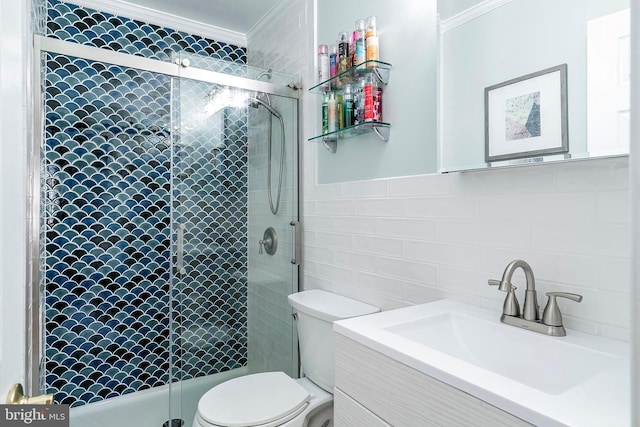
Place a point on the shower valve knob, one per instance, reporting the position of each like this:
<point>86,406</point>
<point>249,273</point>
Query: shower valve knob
<point>269,241</point>
<point>265,244</point>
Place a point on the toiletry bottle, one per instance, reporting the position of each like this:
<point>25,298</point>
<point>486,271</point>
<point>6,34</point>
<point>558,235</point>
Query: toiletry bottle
<point>325,113</point>
<point>372,42</point>
<point>344,58</point>
<point>372,99</point>
<point>333,64</point>
<point>360,51</point>
<point>359,101</point>
<point>377,100</point>
<point>323,66</point>
<point>340,102</point>
<point>352,48</point>
<point>332,113</point>
<point>369,88</point>
<point>348,102</point>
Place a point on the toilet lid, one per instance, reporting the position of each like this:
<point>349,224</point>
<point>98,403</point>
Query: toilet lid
<point>253,400</point>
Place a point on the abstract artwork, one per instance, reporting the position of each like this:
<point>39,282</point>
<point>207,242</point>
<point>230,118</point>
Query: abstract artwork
<point>522,116</point>
<point>527,116</point>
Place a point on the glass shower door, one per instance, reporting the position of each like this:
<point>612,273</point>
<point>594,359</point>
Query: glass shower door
<point>155,193</point>
<point>229,310</point>
<point>273,276</point>
<point>105,238</point>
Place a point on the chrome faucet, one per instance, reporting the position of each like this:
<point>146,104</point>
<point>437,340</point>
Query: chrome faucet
<point>531,310</point>
<point>551,323</point>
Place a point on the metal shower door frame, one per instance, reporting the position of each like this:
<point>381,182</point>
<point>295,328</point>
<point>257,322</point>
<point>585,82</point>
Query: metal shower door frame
<point>34,356</point>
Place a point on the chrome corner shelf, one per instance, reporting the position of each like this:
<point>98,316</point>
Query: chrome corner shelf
<point>380,69</point>
<point>330,140</point>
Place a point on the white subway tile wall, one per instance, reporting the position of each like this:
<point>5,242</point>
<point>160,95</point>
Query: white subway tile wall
<point>428,245</point>
<point>280,42</point>
<point>409,240</point>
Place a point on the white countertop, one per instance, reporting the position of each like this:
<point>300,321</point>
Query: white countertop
<point>601,400</point>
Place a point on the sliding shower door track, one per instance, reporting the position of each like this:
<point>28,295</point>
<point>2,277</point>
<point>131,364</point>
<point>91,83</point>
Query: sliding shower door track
<point>46,44</point>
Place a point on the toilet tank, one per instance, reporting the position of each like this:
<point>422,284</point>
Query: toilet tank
<point>315,311</point>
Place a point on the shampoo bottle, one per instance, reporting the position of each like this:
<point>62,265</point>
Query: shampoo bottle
<point>332,113</point>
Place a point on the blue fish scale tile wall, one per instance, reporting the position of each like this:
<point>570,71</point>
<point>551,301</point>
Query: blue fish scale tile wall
<point>210,199</point>
<point>99,29</point>
<point>107,240</point>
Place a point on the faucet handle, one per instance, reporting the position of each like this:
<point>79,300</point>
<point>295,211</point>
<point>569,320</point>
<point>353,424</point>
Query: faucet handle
<point>511,307</point>
<point>574,297</point>
<point>502,286</point>
<point>551,315</point>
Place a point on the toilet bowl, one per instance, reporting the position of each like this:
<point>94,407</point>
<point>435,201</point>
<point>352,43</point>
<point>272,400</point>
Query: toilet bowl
<point>272,399</point>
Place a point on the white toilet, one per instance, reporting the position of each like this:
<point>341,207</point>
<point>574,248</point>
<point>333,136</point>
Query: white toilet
<point>272,399</point>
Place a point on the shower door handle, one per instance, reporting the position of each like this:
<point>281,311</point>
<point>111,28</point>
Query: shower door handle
<point>297,239</point>
<point>180,250</point>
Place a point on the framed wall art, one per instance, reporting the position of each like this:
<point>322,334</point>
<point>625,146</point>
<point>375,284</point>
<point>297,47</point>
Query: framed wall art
<point>527,116</point>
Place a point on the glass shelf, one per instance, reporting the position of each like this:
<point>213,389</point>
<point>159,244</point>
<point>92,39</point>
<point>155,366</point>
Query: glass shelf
<point>330,140</point>
<point>379,68</point>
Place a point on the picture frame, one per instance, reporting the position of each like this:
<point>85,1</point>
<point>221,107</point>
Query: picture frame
<point>527,116</point>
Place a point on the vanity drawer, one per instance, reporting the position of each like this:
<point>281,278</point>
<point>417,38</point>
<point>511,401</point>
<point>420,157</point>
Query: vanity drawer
<point>403,396</point>
<point>349,413</point>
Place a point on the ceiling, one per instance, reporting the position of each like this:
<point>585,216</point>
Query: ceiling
<point>235,15</point>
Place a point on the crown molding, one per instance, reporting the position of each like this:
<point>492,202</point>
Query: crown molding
<point>268,18</point>
<point>470,14</point>
<point>151,16</point>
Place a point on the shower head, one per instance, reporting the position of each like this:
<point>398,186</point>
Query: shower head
<point>255,102</point>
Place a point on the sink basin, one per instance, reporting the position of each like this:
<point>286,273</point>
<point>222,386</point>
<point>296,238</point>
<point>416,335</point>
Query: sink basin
<point>576,380</point>
<point>544,363</point>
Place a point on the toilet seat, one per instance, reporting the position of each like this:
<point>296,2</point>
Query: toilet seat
<point>266,399</point>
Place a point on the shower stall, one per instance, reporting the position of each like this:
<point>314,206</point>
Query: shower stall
<point>166,238</point>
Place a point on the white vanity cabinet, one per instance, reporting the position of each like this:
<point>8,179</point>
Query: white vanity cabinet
<point>374,390</point>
